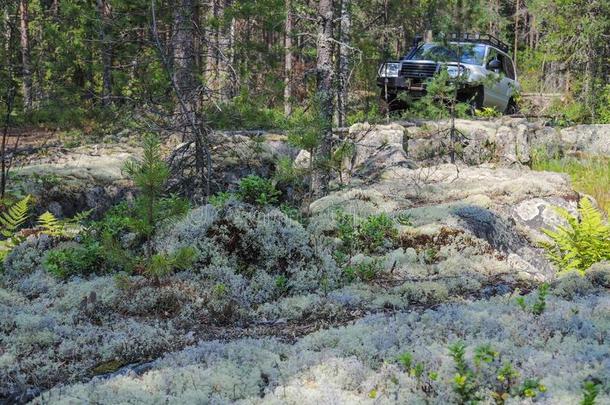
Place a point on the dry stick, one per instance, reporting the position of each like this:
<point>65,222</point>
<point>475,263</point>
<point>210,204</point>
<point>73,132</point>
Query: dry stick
<point>9,108</point>
<point>10,98</point>
<point>199,136</point>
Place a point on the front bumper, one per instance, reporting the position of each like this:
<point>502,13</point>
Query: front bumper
<point>416,88</point>
<point>396,84</point>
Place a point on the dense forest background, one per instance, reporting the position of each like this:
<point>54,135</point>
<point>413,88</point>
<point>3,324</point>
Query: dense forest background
<point>252,63</point>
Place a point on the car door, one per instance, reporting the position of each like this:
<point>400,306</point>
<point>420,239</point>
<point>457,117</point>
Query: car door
<point>511,76</point>
<point>498,87</point>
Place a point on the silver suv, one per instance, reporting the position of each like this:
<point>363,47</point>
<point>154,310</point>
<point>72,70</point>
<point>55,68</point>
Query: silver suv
<point>486,73</point>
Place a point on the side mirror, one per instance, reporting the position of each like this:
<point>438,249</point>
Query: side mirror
<point>494,65</point>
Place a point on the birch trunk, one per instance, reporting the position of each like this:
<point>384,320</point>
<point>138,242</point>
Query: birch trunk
<point>288,60</point>
<point>104,11</point>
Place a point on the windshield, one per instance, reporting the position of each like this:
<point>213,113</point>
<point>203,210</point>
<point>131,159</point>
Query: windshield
<point>471,54</point>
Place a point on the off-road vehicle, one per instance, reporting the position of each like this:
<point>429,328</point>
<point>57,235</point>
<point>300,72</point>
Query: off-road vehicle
<point>479,63</point>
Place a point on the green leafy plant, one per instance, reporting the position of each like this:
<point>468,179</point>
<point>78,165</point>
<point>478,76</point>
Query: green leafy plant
<point>366,235</point>
<point>375,230</point>
<point>365,271</point>
<point>10,222</point>
<point>590,392</point>
<point>468,382</point>
<point>414,370</point>
<point>487,112</point>
<point>582,242</point>
<point>74,259</point>
<point>219,199</point>
<point>464,382</point>
<point>162,264</point>
<point>539,305</point>
<point>405,219</point>
<point>256,190</point>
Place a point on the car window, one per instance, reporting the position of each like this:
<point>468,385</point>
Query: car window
<point>469,53</point>
<point>507,64</point>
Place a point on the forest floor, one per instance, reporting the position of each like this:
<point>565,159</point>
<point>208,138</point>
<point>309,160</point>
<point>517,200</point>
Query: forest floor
<point>445,307</point>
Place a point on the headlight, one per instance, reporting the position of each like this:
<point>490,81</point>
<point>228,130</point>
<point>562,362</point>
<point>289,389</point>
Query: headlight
<point>455,71</point>
<point>389,69</point>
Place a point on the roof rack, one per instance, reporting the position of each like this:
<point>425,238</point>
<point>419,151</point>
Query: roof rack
<point>479,38</point>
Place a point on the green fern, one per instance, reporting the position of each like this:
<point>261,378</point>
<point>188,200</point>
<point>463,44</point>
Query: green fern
<point>14,217</point>
<point>582,242</point>
<point>50,225</point>
<point>10,221</point>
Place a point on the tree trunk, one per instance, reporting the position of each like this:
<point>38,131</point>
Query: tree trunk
<point>211,61</point>
<point>104,11</point>
<point>221,43</point>
<point>288,60</point>
<point>25,54</point>
<point>184,84</point>
<point>182,47</point>
<point>324,98</point>
<point>517,11</point>
<point>344,49</point>
<point>226,84</point>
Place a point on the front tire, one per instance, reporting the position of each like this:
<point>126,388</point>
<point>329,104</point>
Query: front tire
<point>389,102</point>
<point>476,102</point>
<point>512,108</point>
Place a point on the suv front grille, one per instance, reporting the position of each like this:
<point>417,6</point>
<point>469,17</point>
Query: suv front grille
<point>416,70</point>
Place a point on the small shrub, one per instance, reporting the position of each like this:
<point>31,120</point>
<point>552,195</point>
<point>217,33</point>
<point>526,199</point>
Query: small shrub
<point>583,242</point>
<point>365,271</point>
<point>590,390</point>
<point>142,219</point>
<point>414,370</point>
<point>162,264</point>
<point>487,113</point>
<point>375,230</point>
<point>256,190</point>
<point>405,219</point>
<point>469,382</point>
<point>152,206</point>
<point>293,213</point>
<point>539,305</point>
<point>464,383</point>
<point>114,223</point>
<point>219,199</point>
<point>286,173</point>
<point>73,259</point>
<point>366,236</point>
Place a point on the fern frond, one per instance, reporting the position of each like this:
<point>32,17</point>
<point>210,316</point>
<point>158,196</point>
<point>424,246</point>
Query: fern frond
<point>14,217</point>
<point>80,217</point>
<point>583,242</point>
<point>50,224</point>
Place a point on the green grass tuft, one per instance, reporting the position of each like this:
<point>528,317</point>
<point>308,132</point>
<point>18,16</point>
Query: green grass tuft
<point>589,175</point>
